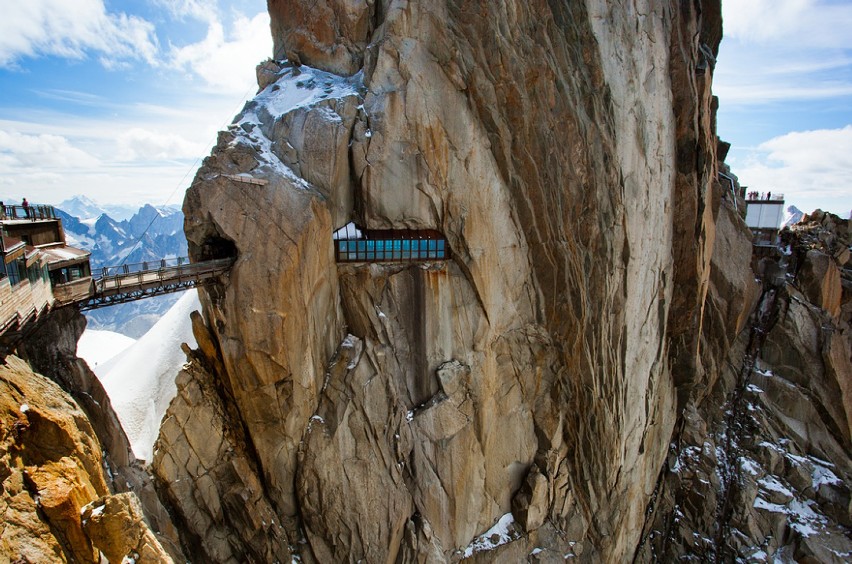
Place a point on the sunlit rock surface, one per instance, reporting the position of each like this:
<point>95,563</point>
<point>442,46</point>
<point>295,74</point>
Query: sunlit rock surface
<point>51,469</point>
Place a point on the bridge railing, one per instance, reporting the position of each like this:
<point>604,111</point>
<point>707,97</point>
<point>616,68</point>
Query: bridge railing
<point>136,267</point>
<point>164,270</point>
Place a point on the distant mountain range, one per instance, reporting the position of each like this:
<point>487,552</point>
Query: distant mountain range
<point>149,234</point>
<point>86,208</point>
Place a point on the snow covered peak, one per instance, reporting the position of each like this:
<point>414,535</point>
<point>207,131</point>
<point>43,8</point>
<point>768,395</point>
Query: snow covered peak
<point>794,215</point>
<point>82,207</point>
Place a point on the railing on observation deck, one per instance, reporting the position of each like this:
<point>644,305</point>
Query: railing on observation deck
<point>757,197</point>
<point>31,212</point>
<point>356,245</point>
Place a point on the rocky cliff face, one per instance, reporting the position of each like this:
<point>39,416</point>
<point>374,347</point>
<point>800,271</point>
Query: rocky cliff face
<point>760,469</point>
<point>517,401</point>
<point>56,500</point>
<point>71,488</point>
<point>566,151</point>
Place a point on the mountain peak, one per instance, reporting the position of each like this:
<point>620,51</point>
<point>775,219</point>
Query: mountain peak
<point>82,207</point>
<point>793,216</point>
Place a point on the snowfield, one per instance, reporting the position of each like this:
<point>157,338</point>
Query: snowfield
<point>97,347</point>
<point>140,380</point>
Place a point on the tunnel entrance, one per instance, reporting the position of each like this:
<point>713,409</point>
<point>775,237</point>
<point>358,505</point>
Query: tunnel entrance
<point>216,247</point>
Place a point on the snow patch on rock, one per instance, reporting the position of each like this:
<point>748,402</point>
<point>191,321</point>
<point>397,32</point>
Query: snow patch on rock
<point>501,533</point>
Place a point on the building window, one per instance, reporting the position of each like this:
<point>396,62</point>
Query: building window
<point>14,273</point>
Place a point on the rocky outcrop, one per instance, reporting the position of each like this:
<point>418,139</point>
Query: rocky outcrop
<point>116,526</point>
<point>51,468</point>
<point>50,348</point>
<point>208,475</point>
<point>567,153</point>
<point>329,34</point>
<point>536,356</point>
<point>766,477</point>
<point>598,320</point>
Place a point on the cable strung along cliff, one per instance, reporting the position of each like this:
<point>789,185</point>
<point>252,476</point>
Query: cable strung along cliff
<point>516,400</point>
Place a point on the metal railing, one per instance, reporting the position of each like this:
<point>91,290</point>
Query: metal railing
<point>141,267</point>
<point>130,282</point>
<point>754,196</point>
<point>157,272</point>
<point>32,212</point>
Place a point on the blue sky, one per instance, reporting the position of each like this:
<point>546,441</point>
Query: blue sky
<point>784,81</point>
<point>118,99</point>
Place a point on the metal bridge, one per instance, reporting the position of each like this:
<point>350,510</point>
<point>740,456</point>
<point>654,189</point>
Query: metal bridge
<point>129,282</point>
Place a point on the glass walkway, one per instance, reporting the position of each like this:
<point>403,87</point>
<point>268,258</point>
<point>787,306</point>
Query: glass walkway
<point>352,244</point>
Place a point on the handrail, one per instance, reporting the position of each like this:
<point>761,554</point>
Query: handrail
<point>171,264</point>
<point>757,197</point>
<point>31,212</point>
<point>151,266</point>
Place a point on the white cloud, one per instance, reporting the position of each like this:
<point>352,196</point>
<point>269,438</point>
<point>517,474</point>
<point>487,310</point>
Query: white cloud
<point>115,150</point>
<point>811,168</point>
<point>134,154</point>
<point>44,151</point>
<point>202,11</point>
<point>813,23</point>
<point>71,29</point>
<point>144,144</point>
<point>768,90</point>
<point>221,61</point>
<point>784,50</point>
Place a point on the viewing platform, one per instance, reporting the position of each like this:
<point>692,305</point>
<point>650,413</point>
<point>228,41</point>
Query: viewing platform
<point>764,216</point>
<point>28,213</point>
<point>353,244</point>
<point>754,197</point>
<point>39,271</point>
<point>26,291</point>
